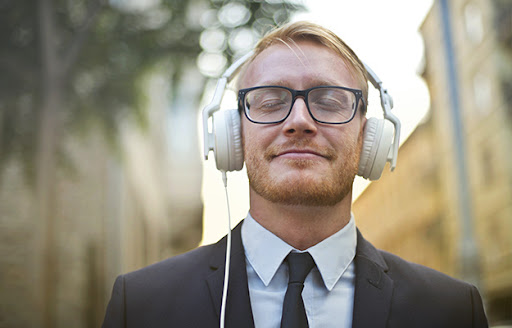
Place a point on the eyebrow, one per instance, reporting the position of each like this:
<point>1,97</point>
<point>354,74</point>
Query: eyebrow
<point>312,83</point>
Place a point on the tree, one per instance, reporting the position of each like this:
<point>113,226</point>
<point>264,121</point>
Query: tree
<point>67,64</point>
<point>86,58</point>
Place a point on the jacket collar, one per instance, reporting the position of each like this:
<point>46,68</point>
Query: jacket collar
<point>238,305</point>
<point>373,287</point>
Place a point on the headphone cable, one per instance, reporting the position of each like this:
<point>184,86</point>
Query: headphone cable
<point>228,256</point>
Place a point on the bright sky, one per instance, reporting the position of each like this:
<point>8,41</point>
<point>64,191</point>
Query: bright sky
<point>385,36</point>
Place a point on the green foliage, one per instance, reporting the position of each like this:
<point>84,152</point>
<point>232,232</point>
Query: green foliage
<point>103,48</point>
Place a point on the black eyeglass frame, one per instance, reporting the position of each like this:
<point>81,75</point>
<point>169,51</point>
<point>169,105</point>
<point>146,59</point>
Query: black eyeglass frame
<point>298,93</point>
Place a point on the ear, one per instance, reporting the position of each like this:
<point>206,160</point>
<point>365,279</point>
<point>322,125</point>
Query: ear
<point>364,120</point>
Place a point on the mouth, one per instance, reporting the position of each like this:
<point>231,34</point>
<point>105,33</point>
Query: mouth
<point>299,154</point>
<point>297,151</point>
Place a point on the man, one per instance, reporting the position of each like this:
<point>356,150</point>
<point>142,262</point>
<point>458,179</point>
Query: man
<point>302,104</point>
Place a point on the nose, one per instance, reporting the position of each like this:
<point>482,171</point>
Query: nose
<point>299,122</point>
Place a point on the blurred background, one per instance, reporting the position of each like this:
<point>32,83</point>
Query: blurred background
<point>101,170</point>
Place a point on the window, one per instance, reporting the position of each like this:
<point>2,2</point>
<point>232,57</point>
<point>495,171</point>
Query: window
<point>482,93</point>
<point>473,23</point>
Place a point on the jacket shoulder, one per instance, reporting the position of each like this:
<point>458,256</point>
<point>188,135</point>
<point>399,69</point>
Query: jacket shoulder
<point>180,265</point>
<point>443,298</point>
<point>417,273</point>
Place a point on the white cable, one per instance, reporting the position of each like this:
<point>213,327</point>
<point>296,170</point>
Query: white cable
<point>228,256</point>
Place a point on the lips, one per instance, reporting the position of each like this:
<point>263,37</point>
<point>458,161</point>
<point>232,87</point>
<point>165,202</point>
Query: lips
<point>295,153</point>
<point>299,153</point>
<point>299,150</point>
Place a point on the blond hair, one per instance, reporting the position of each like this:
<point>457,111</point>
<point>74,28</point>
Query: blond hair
<point>307,31</point>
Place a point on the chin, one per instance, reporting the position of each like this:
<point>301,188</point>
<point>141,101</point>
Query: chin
<point>303,189</point>
<point>306,182</point>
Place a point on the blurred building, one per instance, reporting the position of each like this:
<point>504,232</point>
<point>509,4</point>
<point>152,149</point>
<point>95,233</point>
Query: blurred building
<point>414,211</point>
<point>117,210</point>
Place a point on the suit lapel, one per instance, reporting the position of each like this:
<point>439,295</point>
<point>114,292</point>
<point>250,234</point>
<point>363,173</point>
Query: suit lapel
<point>373,287</point>
<point>238,305</point>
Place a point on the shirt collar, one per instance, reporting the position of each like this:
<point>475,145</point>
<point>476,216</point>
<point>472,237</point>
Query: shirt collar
<point>265,251</point>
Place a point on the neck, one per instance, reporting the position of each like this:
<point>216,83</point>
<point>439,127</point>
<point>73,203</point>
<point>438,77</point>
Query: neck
<point>300,226</point>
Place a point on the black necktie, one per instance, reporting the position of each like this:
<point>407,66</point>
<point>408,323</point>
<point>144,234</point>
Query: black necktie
<point>294,314</point>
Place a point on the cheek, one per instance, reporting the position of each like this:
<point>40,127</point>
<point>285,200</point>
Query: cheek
<point>345,139</point>
<point>244,132</point>
<point>255,137</point>
<point>355,132</point>
<point>250,144</point>
<point>246,137</point>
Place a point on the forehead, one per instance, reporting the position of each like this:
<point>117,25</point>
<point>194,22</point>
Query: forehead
<point>299,65</point>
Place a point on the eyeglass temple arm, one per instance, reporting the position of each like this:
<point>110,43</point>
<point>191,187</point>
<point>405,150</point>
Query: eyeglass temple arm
<point>209,140</point>
<point>387,104</point>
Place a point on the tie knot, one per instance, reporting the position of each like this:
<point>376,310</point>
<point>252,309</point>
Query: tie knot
<point>299,266</point>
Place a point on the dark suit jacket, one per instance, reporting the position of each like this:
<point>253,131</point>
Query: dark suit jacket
<point>186,291</point>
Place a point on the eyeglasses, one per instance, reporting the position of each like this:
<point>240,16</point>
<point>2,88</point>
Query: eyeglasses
<point>273,104</point>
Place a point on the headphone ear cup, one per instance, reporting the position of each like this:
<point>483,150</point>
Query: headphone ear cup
<point>228,150</point>
<point>377,140</point>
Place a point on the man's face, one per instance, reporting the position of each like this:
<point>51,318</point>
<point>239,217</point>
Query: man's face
<point>300,161</point>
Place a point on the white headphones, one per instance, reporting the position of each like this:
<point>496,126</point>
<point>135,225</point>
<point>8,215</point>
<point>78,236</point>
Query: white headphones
<point>380,140</point>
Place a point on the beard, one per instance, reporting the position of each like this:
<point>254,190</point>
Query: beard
<point>304,187</point>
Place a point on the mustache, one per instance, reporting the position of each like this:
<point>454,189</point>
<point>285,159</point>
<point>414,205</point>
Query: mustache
<point>302,144</point>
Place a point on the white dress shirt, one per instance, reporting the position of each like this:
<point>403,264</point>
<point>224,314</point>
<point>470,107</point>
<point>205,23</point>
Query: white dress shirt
<point>328,289</point>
